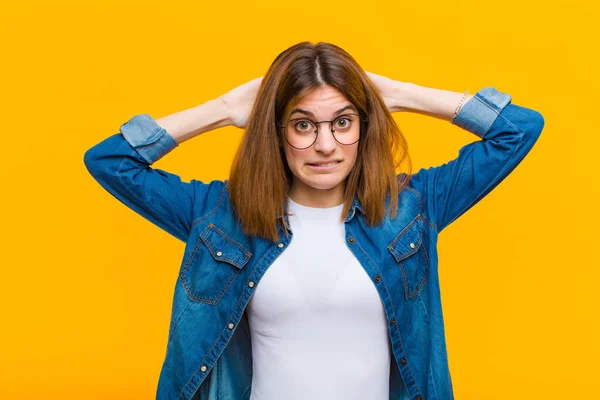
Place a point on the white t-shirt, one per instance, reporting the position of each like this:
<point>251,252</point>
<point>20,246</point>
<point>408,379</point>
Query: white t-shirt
<point>317,323</point>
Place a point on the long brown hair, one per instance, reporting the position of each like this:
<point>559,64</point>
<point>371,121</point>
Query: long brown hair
<point>260,178</point>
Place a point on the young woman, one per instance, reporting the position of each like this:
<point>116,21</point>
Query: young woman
<point>344,248</point>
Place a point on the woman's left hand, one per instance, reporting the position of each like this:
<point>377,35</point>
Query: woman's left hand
<point>390,90</point>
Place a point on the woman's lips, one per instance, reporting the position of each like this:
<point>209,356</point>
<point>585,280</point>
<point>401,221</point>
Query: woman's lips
<point>325,167</point>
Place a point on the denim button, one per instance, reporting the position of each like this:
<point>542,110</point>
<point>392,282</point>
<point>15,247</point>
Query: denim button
<point>412,245</point>
<point>280,245</point>
<point>418,397</point>
<point>203,368</point>
<point>403,360</point>
<point>377,278</point>
<point>219,254</point>
<point>393,321</point>
<point>230,325</point>
<point>351,240</point>
<point>251,284</point>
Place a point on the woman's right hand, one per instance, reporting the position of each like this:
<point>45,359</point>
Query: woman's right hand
<point>239,102</point>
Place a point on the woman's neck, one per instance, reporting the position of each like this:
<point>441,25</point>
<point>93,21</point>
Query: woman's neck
<point>319,198</point>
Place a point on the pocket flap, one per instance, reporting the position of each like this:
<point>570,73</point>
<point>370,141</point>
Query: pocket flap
<point>409,240</point>
<point>223,248</point>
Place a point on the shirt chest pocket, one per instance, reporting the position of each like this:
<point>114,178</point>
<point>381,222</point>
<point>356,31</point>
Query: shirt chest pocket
<point>213,264</point>
<point>410,254</point>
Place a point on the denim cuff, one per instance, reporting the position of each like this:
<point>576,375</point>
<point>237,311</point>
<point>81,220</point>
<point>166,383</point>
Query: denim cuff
<point>147,137</point>
<point>478,114</point>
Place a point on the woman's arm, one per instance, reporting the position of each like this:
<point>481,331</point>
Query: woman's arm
<point>186,124</point>
<point>232,108</point>
<point>507,132</point>
<point>406,96</point>
<point>121,163</point>
<point>438,103</point>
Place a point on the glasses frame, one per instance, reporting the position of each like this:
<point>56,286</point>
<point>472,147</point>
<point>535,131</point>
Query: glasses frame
<point>283,126</point>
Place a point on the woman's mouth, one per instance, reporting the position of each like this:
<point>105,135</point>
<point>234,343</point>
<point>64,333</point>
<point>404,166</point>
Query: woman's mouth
<point>324,167</point>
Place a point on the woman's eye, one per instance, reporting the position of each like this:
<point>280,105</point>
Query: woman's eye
<point>343,122</point>
<point>303,125</point>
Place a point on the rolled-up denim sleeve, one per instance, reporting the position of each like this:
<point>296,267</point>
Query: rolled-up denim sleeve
<point>507,132</point>
<point>121,164</point>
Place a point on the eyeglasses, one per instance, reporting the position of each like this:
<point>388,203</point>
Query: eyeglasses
<point>301,133</point>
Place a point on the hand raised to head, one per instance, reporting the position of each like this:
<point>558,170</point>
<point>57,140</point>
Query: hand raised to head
<point>390,90</point>
<point>239,102</point>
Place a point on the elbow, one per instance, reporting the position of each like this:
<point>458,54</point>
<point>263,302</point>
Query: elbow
<point>92,159</point>
<point>537,123</point>
<point>529,124</point>
<point>531,129</point>
<point>97,163</point>
<point>89,160</point>
<point>102,156</point>
<point>535,126</point>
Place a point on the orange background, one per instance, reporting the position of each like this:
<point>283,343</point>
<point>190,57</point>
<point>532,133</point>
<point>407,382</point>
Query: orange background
<point>87,284</point>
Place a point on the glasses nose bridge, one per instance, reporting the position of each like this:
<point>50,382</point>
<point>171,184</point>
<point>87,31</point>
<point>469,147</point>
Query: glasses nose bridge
<point>318,124</point>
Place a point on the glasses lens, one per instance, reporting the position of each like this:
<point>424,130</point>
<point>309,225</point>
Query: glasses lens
<point>346,129</point>
<point>301,133</point>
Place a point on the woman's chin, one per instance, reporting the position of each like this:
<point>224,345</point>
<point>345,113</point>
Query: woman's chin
<point>323,182</point>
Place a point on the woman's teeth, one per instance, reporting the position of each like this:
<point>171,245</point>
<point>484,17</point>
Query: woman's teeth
<point>326,165</point>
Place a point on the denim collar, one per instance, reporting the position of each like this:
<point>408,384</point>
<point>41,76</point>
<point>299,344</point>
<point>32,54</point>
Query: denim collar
<point>355,205</point>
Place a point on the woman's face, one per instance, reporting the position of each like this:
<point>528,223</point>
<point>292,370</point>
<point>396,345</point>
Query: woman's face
<point>314,186</point>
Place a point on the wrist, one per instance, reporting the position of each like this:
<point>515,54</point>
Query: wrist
<point>433,102</point>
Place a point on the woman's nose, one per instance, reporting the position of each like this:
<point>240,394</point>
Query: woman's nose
<point>325,143</point>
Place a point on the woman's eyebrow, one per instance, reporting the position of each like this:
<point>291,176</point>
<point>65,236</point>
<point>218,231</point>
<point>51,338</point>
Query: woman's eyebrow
<point>299,110</point>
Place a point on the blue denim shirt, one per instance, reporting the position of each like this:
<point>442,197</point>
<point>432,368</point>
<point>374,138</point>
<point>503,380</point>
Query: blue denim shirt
<point>208,353</point>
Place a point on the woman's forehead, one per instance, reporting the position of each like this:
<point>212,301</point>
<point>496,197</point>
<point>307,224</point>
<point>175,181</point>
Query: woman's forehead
<point>320,102</point>
<point>344,109</point>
